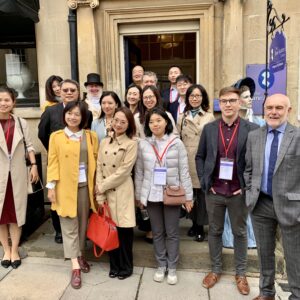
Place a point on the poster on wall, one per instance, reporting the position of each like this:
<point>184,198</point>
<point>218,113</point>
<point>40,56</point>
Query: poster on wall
<point>275,81</point>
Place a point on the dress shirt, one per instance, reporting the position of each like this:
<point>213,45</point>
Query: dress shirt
<point>222,186</point>
<point>270,136</point>
<point>173,94</point>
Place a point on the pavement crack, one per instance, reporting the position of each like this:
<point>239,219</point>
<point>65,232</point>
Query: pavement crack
<point>139,285</point>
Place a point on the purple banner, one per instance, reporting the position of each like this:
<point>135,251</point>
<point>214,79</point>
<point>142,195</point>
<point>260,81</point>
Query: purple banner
<point>276,82</point>
<point>278,52</point>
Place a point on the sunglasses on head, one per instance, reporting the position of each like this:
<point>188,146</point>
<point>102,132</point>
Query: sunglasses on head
<point>72,90</point>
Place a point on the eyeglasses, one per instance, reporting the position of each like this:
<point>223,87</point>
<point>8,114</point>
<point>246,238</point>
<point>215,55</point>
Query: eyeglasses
<point>230,101</point>
<point>69,90</point>
<point>121,122</point>
<point>148,97</point>
<point>197,97</point>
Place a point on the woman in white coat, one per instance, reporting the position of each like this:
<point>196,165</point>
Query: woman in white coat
<point>13,177</point>
<point>161,150</point>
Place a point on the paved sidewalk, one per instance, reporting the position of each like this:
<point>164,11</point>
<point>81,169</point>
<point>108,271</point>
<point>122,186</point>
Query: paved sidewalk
<point>49,279</point>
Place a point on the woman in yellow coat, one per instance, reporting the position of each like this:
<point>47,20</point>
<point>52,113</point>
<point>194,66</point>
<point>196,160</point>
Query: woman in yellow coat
<point>116,158</point>
<point>70,182</point>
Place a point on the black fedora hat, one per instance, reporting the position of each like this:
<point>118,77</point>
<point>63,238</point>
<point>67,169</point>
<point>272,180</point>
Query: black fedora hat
<point>93,78</point>
<point>247,81</point>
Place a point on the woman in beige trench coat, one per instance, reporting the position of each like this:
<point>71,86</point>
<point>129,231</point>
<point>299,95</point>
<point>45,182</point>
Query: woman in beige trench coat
<point>190,126</point>
<point>116,158</point>
<point>13,177</point>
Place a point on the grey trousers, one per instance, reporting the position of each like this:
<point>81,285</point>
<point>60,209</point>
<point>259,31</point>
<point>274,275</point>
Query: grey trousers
<point>165,227</point>
<point>216,206</point>
<point>74,229</point>
<point>265,224</point>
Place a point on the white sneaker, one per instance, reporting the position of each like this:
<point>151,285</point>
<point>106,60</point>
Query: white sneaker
<point>159,274</point>
<point>172,277</point>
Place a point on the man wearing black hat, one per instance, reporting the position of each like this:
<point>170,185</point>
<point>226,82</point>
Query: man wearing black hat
<point>94,87</point>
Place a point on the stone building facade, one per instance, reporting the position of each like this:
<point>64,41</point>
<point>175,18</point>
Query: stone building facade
<point>226,35</point>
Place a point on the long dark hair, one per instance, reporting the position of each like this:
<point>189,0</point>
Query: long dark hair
<point>158,111</point>
<point>50,96</point>
<point>114,96</point>
<point>131,129</point>
<point>11,92</point>
<point>143,108</point>
<point>205,100</point>
<point>133,85</point>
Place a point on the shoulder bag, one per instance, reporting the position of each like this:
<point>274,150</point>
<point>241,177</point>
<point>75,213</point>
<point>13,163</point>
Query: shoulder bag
<point>32,187</point>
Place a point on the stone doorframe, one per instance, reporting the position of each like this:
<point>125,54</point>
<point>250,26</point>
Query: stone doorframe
<point>109,49</point>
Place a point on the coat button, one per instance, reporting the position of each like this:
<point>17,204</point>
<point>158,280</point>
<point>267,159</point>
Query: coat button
<point>104,177</point>
<point>66,156</point>
<point>115,153</point>
<point>105,152</point>
<point>113,166</point>
<point>104,164</point>
<point>113,190</point>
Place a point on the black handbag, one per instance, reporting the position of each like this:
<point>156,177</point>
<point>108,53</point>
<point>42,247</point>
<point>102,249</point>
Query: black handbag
<point>32,187</point>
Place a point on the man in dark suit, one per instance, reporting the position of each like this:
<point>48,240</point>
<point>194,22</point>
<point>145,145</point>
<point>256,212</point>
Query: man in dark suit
<point>176,108</point>
<point>220,163</point>
<point>170,94</point>
<point>52,120</point>
<point>272,177</point>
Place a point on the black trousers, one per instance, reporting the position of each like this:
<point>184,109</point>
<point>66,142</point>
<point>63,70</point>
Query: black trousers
<point>121,259</point>
<point>55,221</point>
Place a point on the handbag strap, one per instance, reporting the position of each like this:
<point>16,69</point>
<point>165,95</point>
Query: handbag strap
<point>95,251</point>
<point>24,142</point>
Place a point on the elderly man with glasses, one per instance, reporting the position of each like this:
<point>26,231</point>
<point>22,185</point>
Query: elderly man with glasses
<point>220,163</point>
<point>52,120</point>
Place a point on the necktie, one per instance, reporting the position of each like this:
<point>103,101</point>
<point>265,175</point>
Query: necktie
<point>272,160</point>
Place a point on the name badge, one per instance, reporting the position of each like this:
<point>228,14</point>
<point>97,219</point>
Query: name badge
<point>226,168</point>
<point>82,173</point>
<point>160,176</point>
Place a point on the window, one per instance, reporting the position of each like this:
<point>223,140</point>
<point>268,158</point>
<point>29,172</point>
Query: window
<point>18,63</point>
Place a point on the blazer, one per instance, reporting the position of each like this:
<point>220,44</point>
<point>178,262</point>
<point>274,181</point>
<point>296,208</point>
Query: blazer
<point>52,120</point>
<point>206,156</point>
<point>286,176</point>
<point>18,170</point>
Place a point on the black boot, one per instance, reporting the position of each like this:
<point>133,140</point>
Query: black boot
<point>199,237</point>
<point>193,230</point>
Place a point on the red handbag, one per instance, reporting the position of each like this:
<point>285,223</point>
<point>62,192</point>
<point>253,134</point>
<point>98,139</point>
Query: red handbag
<point>102,231</point>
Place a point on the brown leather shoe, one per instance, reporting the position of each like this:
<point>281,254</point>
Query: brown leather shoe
<point>210,280</point>
<point>264,298</point>
<point>76,279</point>
<point>242,284</point>
<point>84,266</point>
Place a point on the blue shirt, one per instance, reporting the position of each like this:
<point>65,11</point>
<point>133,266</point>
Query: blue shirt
<point>270,136</point>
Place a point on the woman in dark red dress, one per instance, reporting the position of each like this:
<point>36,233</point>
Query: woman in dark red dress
<point>13,177</point>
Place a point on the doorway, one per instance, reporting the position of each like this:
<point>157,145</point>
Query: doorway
<point>157,52</point>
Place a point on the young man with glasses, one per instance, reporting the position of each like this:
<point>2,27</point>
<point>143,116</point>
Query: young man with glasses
<point>52,120</point>
<point>220,163</point>
<point>176,108</point>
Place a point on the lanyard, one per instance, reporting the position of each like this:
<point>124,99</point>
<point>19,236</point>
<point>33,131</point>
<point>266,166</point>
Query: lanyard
<point>8,130</point>
<point>232,137</point>
<point>160,157</point>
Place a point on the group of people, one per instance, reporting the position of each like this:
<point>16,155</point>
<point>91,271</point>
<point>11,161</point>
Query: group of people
<point>133,152</point>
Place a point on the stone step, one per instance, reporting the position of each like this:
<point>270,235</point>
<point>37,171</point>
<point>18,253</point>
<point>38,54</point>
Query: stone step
<point>193,255</point>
